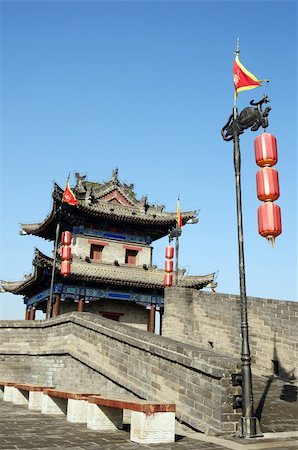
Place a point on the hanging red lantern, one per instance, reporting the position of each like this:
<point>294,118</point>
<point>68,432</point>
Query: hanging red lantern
<point>267,184</point>
<point>66,238</point>
<point>169,252</point>
<point>265,150</point>
<point>65,268</point>
<point>169,265</point>
<point>269,220</point>
<point>168,280</point>
<point>66,253</point>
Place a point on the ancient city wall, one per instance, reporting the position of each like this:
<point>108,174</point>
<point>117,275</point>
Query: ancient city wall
<point>59,370</point>
<point>86,350</point>
<point>212,321</point>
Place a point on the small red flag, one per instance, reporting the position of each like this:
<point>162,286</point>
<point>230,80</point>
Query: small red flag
<point>179,216</point>
<point>68,196</point>
<point>243,79</point>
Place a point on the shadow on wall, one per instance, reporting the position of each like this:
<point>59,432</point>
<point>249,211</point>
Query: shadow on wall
<point>289,392</point>
<point>278,369</point>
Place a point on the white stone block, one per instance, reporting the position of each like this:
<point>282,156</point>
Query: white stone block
<point>77,411</point>
<point>53,405</point>
<point>8,393</point>
<point>104,418</point>
<point>35,400</point>
<point>20,397</point>
<point>152,428</point>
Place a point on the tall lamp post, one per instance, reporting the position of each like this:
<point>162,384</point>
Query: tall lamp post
<point>251,117</point>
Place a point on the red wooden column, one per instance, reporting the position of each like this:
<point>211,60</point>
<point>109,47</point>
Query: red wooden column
<point>151,319</point>
<point>27,313</point>
<point>81,305</point>
<point>56,306</point>
<point>48,311</point>
<point>32,314</point>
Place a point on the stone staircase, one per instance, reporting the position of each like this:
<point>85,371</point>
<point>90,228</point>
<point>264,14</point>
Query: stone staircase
<point>276,405</point>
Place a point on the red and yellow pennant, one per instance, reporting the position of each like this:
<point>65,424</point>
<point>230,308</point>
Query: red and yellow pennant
<point>243,79</point>
<point>179,216</point>
<point>68,196</point>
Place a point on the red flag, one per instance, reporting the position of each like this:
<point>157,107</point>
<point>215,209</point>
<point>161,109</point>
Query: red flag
<point>68,196</point>
<point>179,216</point>
<point>243,79</point>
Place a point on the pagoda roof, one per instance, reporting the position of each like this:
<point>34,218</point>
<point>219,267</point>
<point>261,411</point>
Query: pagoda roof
<point>104,273</point>
<point>110,201</point>
<point>31,281</point>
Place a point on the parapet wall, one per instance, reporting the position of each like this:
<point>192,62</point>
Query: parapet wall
<point>59,370</point>
<point>82,350</point>
<point>212,321</point>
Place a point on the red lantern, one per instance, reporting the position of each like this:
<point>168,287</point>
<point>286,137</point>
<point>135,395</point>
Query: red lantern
<point>66,238</point>
<point>269,219</point>
<point>168,280</point>
<point>65,268</point>
<point>169,265</point>
<point>169,252</point>
<point>266,150</point>
<point>267,184</point>
<point>66,252</point>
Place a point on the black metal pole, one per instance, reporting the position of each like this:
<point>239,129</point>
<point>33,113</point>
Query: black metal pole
<point>175,233</point>
<point>176,258</point>
<point>50,301</point>
<point>249,423</point>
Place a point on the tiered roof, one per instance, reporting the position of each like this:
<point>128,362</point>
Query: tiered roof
<point>104,273</point>
<point>110,201</point>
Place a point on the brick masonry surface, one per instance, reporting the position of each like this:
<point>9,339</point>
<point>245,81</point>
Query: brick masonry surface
<point>22,429</point>
<point>85,351</point>
<point>113,250</point>
<point>133,315</point>
<point>212,321</point>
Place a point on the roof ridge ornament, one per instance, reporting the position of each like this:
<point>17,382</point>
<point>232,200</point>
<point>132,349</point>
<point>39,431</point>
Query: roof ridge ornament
<point>115,175</point>
<point>79,182</point>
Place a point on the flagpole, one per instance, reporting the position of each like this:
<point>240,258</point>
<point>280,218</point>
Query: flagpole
<point>175,232</point>
<point>249,423</point>
<point>177,235</point>
<point>67,197</point>
<point>50,301</point>
<point>176,252</point>
<point>237,51</point>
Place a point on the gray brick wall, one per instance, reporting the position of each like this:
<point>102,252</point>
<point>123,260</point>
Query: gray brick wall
<point>212,321</point>
<point>88,350</point>
<point>61,371</point>
<point>133,315</point>
<point>112,250</point>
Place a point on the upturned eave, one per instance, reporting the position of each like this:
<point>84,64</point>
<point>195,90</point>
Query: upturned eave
<point>158,221</point>
<point>103,273</point>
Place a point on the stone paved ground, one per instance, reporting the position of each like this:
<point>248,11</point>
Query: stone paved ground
<point>22,429</point>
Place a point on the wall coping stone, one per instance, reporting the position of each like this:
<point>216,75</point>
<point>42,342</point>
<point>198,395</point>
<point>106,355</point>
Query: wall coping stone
<point>212,363</point>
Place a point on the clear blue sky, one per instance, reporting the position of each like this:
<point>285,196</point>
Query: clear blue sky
<point>147,86</point>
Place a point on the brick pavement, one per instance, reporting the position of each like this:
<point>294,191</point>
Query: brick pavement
<point>22,429</point>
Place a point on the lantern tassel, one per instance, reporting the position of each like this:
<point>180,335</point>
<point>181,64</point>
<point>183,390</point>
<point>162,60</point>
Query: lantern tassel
<point>271,240</point>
